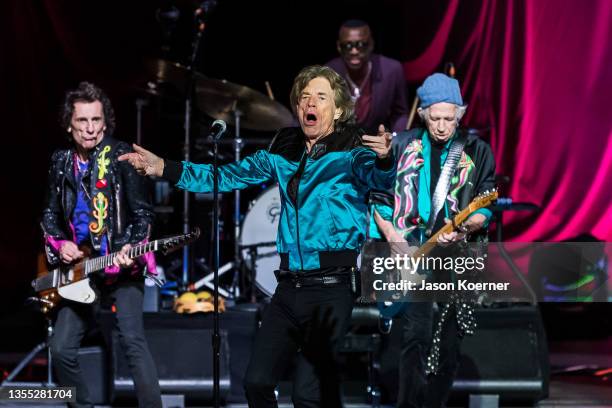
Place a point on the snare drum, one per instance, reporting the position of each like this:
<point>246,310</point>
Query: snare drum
<point>260,226</point>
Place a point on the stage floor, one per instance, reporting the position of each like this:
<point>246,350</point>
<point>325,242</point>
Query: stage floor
<point>574,391</point>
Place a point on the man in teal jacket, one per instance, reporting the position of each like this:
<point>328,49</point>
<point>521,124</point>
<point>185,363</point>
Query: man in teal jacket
<point>324,170</point>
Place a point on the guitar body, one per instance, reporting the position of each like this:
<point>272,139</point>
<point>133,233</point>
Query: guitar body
<point>76,285</point>
<point>72,281</point>
<point>66,281</point>
<point>388,310</point>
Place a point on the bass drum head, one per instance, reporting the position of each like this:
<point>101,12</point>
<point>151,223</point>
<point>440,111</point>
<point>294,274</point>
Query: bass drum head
<point>260,226</point>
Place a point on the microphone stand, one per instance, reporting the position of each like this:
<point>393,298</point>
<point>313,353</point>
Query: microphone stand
<point>216,339</point>
<point>201,15</point>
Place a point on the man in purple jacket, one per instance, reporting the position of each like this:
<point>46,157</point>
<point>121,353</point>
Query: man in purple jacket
<point>377,83</point>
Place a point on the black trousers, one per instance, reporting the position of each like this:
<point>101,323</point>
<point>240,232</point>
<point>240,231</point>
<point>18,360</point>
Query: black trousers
<point>72,321</point>
<point>416,389</point>
<point>286,329</point>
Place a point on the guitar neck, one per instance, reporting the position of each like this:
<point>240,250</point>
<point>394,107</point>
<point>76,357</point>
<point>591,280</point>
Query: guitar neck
<point>102,262</point>
<point>431,243</point>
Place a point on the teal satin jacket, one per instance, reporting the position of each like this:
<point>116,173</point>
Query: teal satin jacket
<point>323,216</point>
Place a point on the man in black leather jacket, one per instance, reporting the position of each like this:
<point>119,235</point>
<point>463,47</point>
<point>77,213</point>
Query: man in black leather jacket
<point>95,201</point>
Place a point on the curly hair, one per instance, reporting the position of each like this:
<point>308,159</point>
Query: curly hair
<point>342,95</point>
<point>87,92</point>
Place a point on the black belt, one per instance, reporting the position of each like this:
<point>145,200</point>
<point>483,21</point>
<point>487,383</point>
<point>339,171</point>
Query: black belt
<point>298,280</point>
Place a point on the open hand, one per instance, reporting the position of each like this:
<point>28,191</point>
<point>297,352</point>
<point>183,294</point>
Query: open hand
<point>381,143</point>
<point>145,162</point>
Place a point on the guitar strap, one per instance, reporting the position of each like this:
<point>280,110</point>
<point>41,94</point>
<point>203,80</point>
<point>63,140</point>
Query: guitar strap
<point>444,181</point>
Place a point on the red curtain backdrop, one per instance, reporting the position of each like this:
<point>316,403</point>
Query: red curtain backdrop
<point>538,75</point>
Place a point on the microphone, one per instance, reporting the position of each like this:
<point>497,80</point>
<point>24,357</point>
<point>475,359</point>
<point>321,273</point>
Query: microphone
<point>217,129</point>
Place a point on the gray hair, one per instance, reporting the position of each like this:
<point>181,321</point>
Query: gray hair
<point>342,95</point>
<point>424,112</point>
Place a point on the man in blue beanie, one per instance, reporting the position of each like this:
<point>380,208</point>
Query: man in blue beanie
<point>425,195</point>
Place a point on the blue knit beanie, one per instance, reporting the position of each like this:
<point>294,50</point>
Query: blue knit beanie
<point>439,88</point>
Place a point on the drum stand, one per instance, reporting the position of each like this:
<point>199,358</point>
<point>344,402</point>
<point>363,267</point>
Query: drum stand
<point>234,265</point>
<point>252,250</point>
<point>238,144</point>
<point>8,382</point>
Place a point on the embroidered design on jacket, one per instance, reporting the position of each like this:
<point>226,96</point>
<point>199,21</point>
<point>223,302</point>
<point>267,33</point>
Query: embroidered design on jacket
<point>100,206</point>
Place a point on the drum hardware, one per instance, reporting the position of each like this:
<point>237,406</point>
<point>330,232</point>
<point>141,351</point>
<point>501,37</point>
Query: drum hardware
<point>220,99</point>
<point>140,103</point>
<point>238,144</point>
<point>259,229</point>
<point>253,256</point>
<point>208,280</point>
<point>242,107</point>
<point>45,345</point>
<point>187,79</point>
<point>506,204</point>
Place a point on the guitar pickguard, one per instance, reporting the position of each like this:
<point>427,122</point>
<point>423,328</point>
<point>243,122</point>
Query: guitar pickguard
<point>79,291</point>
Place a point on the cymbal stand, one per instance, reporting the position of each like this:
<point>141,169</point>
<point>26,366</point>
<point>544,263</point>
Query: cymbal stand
<point>189,90</point>
<point>140,103</point>
<point>238,144</point>
<point>45,345</point>
<point>533,299</point>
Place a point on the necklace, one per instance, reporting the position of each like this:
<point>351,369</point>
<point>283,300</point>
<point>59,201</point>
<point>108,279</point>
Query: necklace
<point>357,89</point>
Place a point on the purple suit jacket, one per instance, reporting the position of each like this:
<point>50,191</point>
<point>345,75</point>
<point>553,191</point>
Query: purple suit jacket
<point>389,102</point>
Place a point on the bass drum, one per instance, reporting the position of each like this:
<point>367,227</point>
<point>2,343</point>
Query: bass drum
<point>259,229</point>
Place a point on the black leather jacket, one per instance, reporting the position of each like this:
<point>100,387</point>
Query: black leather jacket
<point>130,212</point>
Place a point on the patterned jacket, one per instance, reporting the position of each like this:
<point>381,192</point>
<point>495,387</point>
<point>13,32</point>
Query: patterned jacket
<point>119,203</point>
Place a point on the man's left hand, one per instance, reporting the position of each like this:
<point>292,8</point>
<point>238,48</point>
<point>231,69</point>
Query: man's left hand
<point>381,143</point>
<point>472,224</point>
<point>122,259</point>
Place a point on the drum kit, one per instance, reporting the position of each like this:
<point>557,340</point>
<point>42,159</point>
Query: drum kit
<point>241,107</point>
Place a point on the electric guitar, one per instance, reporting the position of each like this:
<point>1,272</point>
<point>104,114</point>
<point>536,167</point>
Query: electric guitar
<point>72,281</point>
<point>389,309</point>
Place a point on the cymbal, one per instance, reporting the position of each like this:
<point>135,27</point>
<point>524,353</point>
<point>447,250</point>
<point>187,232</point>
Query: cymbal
<point>161,73</point>
<point>219,99</point>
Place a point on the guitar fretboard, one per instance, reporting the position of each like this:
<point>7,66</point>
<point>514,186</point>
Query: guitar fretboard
<point>93,265</point>
<point>65,274</point>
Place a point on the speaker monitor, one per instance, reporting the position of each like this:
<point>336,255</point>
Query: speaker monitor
<point>507,356</point>
<point>183,358</point>
<point>182,350</point>
<point>94,367</point>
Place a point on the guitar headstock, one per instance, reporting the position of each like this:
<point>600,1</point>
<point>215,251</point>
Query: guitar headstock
<point>482,200</point>
<point>173,243</point>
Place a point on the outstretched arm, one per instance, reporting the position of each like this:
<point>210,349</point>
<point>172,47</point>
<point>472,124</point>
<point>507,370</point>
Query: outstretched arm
<point>255,169</point>
<point>145,162</point>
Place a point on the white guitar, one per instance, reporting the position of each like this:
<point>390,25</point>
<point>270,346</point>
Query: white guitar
<point>72,281</point>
